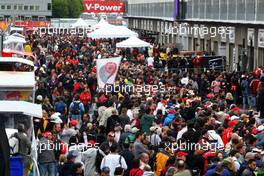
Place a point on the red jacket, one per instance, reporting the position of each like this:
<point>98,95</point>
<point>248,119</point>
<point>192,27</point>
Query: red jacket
<point>85,97</point>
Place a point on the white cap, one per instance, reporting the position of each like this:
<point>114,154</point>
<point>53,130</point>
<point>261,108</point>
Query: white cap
<point>39,98</point>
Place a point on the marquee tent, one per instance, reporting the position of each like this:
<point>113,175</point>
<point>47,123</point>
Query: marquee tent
<point>132,42</point>
<point>80,23</point>
<point>100,24</point>
<point>111,31</point>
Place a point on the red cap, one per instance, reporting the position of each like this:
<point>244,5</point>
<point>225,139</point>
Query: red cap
<point>111,133</point>
<point>235,109</point>
<point>228,118</point>
<point>73,122</point>
<point>91,142</point>
<point>181,154</point>
<point>164,101</point>
<point>210,95</point>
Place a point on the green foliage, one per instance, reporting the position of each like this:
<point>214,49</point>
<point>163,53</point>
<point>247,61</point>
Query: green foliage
<point>66,8</point>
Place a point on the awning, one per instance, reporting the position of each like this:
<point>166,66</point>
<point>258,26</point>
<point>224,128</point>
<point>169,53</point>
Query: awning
<point>23,107</point>
<point>10,79</point>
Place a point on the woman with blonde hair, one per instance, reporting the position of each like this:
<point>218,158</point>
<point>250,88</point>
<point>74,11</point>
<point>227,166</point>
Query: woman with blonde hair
<point>229,99</point>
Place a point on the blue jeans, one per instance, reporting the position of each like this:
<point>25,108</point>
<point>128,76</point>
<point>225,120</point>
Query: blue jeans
<point>252,101</point>
<point>49,168</point>
<point>245,101</point>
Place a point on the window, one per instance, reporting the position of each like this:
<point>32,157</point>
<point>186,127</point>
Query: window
<point>241,10</point>
<point>25,7</point>
<point>20,7</point>
<point>31,7</point>
<point>260,10</point>
<point>49,6</point>
<point>15,7</point>
<point>8,7</point>
<point>3,7</point>
<point>223,10</point>
<point>37,8</point>
<point>250,10</point>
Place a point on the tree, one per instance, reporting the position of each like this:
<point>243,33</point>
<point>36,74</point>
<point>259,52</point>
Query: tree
<point>75,8</point>
<point>60,9</point>
<point>66,8</point>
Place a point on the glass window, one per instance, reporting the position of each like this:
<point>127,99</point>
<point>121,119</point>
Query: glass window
<point>31,7</point>
<point>189,9</point>
<point>37,8</point>
<point>215,9</point>
<point>208,9</point>
<point>20,7</point>
<point>25,7</point>
<point>49,6</point>
<point>250,10</point>
<point>232,10</point>
<point>15,7</point>
<point>8,7</point>
<point>223,9</point>
<point>241,10</point>
<point>3,7</point>
<point>260,10</point>
<point>195,8</point>
<point>202,9</point>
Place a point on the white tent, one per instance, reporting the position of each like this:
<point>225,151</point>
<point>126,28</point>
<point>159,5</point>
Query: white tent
<point>80,23</point>
<point>132,42</point>
<point>100,24</point>
<point>111,31</point>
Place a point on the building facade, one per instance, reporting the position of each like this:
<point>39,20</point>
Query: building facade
<point>26,9</point>
<point>242,20</point>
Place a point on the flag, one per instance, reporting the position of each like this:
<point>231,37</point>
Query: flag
<point>106,70</point>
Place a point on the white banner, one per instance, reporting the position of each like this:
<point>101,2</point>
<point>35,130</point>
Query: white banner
<point>251,36</point>
<point>232,35</point>
<point>261,38</point>
<point>107,70</point>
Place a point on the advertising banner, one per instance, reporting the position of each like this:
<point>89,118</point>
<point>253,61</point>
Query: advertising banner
<point>107,70</point>
<point>250,36</point>
<point>97,6</point>
<point>261,38</point>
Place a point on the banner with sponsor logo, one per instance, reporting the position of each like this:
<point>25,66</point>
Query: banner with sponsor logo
<point>261,38</point>
<point>107,70</point>
<point>97,6</point>
<point>251,36</point>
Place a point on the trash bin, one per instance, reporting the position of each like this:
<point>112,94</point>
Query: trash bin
<point>16,166</point>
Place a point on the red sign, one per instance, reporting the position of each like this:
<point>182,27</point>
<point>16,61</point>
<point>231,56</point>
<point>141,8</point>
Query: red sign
<point>29,23</point>
<point>98,6</point>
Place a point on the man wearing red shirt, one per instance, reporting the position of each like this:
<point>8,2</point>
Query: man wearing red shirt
<point>253,91</point>
<point>85,97</point>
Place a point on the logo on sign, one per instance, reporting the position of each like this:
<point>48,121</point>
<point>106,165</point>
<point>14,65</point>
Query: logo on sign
<point>103,6</point>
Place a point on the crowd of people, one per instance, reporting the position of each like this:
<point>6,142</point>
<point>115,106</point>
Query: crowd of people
<point>180,122</point>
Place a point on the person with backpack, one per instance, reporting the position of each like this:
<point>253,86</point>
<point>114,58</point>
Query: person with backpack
<point>76,109</point>
<point>113,160</point>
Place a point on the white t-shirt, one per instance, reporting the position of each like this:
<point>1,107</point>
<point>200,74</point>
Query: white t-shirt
<point>150,61</point>
<point>113,161</point>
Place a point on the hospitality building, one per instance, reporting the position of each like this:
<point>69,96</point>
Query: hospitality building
<point>242,43</point>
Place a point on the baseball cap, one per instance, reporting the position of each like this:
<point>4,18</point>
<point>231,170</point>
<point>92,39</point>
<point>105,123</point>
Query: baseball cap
<point>73,122</point>
<point>105,169</point>
<point>111,133</point>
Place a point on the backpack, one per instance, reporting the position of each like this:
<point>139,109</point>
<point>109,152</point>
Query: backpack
<point>98,160</point>
<point>75,109</point>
